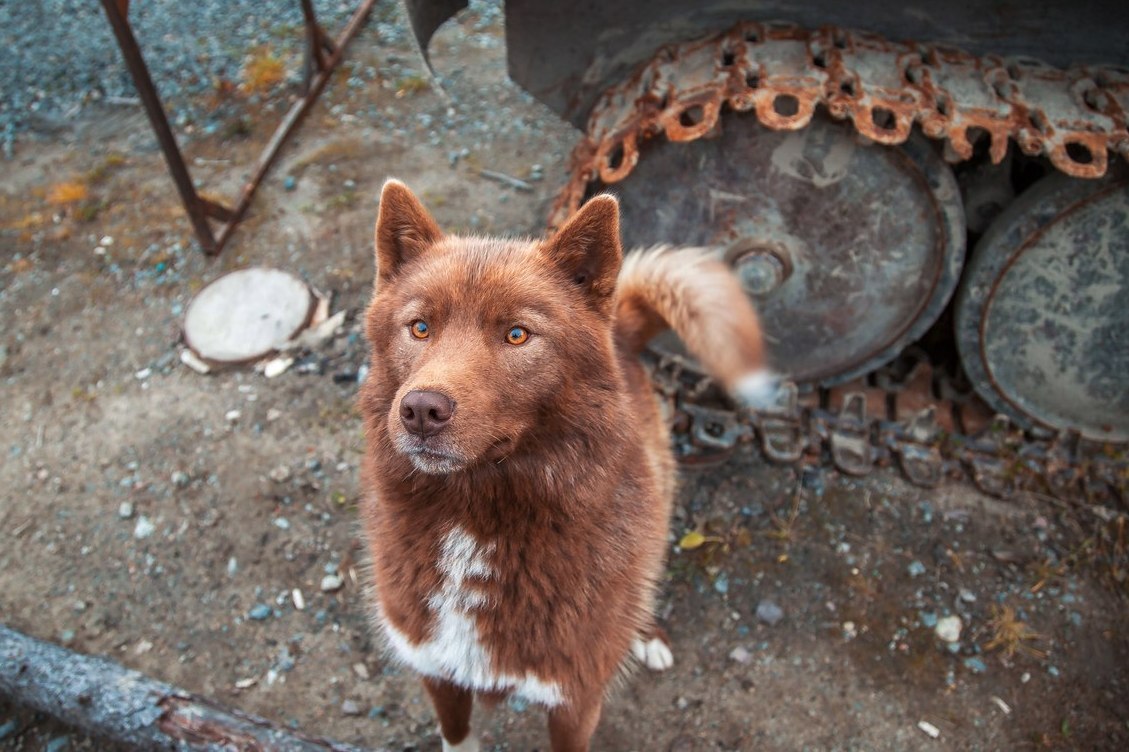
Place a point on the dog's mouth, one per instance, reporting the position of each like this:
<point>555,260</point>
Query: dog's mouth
<point>428,458</point>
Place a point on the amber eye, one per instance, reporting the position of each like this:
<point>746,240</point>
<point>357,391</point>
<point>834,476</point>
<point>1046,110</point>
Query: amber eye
<point>420,329</point>
<point>517,335</point>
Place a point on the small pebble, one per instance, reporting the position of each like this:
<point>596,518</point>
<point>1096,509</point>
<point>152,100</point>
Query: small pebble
<point>144,527</point>
<point>740,655</point>
<point>259,612</point>
<point>180,479</point>
<point>125,510</point>
<point>769,613</point>
<point>289,183</point>
<point>66,636</point>
<point>350,708</point>
<point>518,704</point>
<point>7,728</point>
<point>280,474</point>
<point>57,744</point>
<point>231,416</point>
<point>361,670</point>
<point>949,628</point>
<point>975,665</point>
<point>143,374</point>
<point>928,619</point>
<point>298,599</point>
<point>915,569</point>
<point>721,583</point>
<point>281,523</point>
<point>331,583</point>
<point>929,729</point>
<point>232,566</point>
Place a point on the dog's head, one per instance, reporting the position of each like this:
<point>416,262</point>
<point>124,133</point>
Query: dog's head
<point>477,341</point>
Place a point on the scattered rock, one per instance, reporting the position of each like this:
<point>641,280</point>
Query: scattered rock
<point>740,655</point>
<point>948,628</point>
<point>144,527</point>
<point>331,583</point>
<point>769,613</point>
<point>930,730</point>
<point>289,183</point>
<point>361,670</point>
<point>298,599</point>
<point>58,744</point>
<point>975,665</point>
<point>143,374</point>
<point>246,683</point>
<point>850,630</point>
<point>277,366</point>
<point>721,583</point>
<point>259,612</point>
<point>232,566</point>
<point>273,414</point>
<point>281,523</point>
<point>180,479</point>
<point>350,708</point>
<point>915,568</point>
<point>280,474</point>
<point>125,510</point>
<point>232,416</point>
<point>193,361</point>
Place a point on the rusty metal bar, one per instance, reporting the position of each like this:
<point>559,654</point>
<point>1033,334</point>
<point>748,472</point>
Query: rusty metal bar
<point>198,208</point>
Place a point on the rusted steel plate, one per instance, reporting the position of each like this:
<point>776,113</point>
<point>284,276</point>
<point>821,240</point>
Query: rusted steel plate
<point>1042,319</point>
<point>850,250</point>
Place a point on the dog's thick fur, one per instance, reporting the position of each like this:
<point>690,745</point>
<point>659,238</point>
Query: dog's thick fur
<point>516,541</point>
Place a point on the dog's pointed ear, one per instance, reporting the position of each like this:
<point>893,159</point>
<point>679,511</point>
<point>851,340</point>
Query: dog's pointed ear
<point>404,229</point>
<point>587,249</point>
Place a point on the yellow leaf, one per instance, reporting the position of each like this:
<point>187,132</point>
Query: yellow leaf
<point>691,540</point>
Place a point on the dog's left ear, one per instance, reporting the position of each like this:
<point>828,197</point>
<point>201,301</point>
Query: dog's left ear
<point>404,229</point>
<point>587,249</point>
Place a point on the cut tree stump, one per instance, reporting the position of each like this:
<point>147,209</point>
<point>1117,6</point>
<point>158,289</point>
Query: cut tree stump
<point>107,700</point>
<point>246,315</point>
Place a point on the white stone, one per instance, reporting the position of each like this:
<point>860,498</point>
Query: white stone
<point>948,628</point>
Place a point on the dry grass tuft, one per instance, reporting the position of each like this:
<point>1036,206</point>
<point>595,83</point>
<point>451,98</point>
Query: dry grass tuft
<point>1011,635</point>
<point>262,71</point>
<point>67,192</point>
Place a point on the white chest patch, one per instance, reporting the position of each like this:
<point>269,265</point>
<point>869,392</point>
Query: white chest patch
<point>454,650</point>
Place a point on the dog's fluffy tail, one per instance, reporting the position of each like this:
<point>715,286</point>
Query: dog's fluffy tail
<point>692,292</point>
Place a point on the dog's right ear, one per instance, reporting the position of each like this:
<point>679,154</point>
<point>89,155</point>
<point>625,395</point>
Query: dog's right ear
<point>404,229</point>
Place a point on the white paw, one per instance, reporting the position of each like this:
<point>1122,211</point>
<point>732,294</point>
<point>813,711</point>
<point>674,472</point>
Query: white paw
<point>654,654</point>
<point>470,744</point>
<point>757,389</point>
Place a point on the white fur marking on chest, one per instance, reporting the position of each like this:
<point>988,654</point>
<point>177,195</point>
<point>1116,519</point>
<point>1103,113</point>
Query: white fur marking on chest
<point>454,650</point>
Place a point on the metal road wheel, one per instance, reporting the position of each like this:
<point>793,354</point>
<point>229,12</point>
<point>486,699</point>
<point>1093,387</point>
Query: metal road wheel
<point>1043,315</point>
<point>849,251</point>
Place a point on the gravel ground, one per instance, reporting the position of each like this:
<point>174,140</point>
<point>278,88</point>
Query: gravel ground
<point>165,519</point>
<point>66,58</point>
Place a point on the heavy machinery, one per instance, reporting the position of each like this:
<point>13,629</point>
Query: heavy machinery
<point>928,201</point>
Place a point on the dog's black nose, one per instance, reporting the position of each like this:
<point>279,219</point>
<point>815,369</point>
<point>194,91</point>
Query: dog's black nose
<point>426,413</point>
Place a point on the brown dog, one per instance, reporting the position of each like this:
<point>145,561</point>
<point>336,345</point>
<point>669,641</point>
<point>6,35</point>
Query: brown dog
<point>518,473</point>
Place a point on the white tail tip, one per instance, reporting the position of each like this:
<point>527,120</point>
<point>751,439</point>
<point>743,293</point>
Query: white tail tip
<point>757,389</point>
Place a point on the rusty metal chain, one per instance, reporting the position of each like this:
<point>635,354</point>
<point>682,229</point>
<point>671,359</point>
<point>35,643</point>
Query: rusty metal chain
<point>781,72</point>
<point>925,444</point>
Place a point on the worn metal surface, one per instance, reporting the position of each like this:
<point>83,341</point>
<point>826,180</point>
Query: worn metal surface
<point>913,417</point>
<point>1043,314</point>
<point>1074,117</point>
<point>904,417</point>
<point>809,223</point>
<point>322,57</point>
<point>566,54</point>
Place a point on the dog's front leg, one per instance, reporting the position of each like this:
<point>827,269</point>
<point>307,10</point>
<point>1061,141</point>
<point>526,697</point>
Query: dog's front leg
<point>571,726</point>
<point>453,705</point>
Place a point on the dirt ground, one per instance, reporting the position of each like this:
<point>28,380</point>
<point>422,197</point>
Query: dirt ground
<point>142,519</point>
